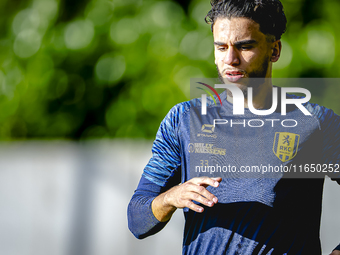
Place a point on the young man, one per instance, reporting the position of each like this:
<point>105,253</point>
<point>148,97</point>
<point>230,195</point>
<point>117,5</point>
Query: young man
<point>235,215</point>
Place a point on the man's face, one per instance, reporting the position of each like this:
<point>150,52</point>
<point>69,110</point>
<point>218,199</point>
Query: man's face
<point>242,50</point>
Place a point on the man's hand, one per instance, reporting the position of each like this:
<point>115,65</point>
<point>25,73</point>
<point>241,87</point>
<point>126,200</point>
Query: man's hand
<point>195,189</point>
<point>183,195</point>
<point>335,252</point>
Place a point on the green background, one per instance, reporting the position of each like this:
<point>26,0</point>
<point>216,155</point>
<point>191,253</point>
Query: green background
<point>105,69</point>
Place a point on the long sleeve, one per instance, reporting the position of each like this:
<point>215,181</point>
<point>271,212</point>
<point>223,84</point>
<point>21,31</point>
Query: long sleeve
<point>331,148</point>
<point>330,126</point>
<point>141,220</point>
<point>160,174</point>
<point>330,130</point>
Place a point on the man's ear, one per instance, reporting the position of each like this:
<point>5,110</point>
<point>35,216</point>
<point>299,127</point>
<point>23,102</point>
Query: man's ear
<point>276,51</point>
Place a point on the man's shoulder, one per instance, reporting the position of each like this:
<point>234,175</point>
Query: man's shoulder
<point>321,112</point>
<point>185,107</point>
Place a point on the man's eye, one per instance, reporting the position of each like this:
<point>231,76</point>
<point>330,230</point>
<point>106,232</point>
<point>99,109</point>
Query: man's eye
<point>221,48</point>
<point>248,47</point>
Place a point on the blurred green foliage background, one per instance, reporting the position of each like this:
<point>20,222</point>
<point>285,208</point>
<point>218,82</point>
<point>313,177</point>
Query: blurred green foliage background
<point>98,68</point>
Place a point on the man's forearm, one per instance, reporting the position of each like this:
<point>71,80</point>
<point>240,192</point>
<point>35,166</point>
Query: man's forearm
<point>141,221</point>
<point>149,209</point>
<point>160,209</point>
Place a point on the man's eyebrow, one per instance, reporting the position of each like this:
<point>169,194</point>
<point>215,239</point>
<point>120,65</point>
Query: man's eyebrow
<point>245,42</point>
<point>237,43</point>
<point>219,43</point>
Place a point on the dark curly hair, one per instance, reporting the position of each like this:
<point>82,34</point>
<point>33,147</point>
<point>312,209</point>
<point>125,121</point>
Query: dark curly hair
<point>268,14</point>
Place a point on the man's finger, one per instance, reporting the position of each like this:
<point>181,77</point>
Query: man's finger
<point>191,205</point>
<point>201,190</point>
<point>203,200</point>
<point>219,179</point>
<point>206,181</point>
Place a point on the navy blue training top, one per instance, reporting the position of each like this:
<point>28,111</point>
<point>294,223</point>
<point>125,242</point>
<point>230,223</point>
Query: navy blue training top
<point>272,169</point>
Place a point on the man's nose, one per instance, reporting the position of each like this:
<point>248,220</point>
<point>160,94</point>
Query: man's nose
<point>232,57</point>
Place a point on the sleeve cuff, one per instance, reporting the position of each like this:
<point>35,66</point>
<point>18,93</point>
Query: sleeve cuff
<point>142,222</point>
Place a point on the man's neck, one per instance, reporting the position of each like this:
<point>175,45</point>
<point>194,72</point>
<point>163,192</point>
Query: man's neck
<point>262,95</point>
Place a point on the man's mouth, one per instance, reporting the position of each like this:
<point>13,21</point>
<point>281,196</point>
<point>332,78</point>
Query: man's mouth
<point>234,76</point>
